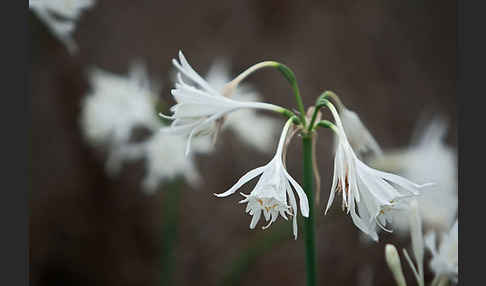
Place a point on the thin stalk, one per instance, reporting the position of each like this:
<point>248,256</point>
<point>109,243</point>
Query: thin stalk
<point>286,72</point>
<point>309,226</point>
<point>170,214</point>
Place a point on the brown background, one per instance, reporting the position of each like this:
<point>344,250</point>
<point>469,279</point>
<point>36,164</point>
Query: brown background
<point>391,61</point>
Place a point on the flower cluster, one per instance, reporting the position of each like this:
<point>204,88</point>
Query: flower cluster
<point>375,198</point>
<point>369,195</point>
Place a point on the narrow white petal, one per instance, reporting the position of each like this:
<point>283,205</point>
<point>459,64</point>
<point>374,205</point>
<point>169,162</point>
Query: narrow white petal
<point>255,219</point>
<point>333,187</point>
<point>304,203</point>
<point>243,180</point>
<point>293,204</point>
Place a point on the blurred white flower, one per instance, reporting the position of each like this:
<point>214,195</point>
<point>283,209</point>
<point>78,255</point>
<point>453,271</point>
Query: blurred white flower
<point>445,260</point>
<point>270,193</point>
<point>372,193</point>
<point>164,159</point>
<point>427,159</point>
<point>200,110</point>
<point>256,130</point>
<point>116,104</point>
<point>60,16</point>
<point>359,136</point>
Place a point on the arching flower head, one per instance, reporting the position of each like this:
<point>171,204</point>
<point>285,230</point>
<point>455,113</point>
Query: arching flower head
<point>270,193</point>
<point>200,107</point>
<point>368,195</point>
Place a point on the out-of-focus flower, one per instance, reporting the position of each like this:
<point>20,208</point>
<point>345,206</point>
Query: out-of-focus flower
<point>368,194</point>
<point>256,130</point>
<point>164,159</point>
<point>117,104</point>
<point>200,110</point>
<point>60,16</point>
<point>445,260</point>
<point>359,136</point>
<point>427,159</point>
<point>270,193</point>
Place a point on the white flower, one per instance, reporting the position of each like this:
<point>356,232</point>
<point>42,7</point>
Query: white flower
<point>427,159</point>
<point>116,104</point>
<point>256,130</point>
<point>164,160</point>
<point>270,193</point>
<point>368,194</point>
<point>445,260</point>
<point>359,137</point>
<point>60,16</point>
<point>200,110</point>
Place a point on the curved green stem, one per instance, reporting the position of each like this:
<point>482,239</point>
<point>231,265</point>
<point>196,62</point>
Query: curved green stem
<point>326,124</point>
<point>309,226</point>
<point>289,75</point>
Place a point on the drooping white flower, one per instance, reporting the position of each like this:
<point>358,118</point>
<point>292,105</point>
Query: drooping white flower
<point>116,104</point>
<point>60,16</point>
<point>201,107</point>
<point>445,260</point>
<point>368,195</point>
<point>359,136</point>
<point>427,159</point>
<point>270,193</point>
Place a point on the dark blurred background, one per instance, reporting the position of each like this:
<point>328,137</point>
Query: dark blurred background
<point>391,61</point>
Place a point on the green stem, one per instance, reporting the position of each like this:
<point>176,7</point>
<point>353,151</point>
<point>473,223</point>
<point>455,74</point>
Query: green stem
<point>171,205</point>
<point>309,227</point>
<point>289,75</point>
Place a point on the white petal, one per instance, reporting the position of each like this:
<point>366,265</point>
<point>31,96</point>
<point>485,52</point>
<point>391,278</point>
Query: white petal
<point>430,243</point>
<point>255,219</point>
<point>304,203</point>
<point>243,180</point>
<point>188,71</point>
<point>293,204</point>
<point>333,187</point>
